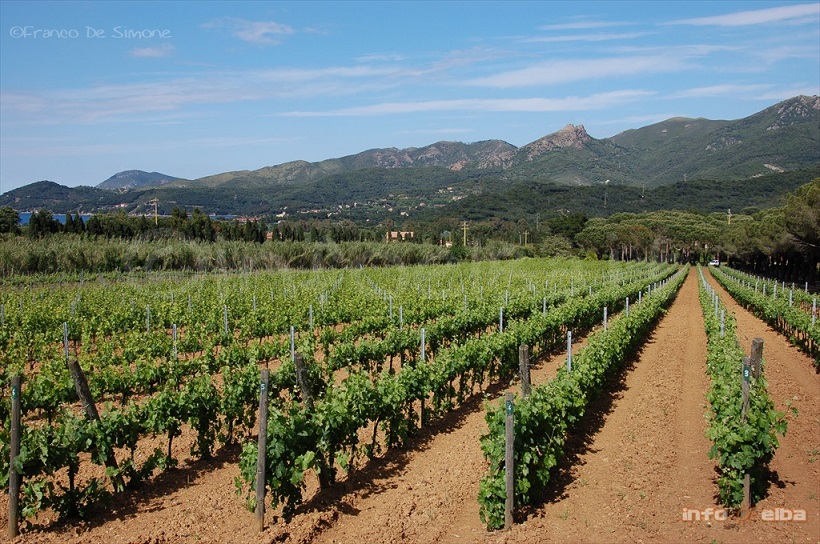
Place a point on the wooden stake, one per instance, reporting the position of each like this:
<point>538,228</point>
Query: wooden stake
<point>65,339</point>
<point>747,373</point>
<point>746,505</point>
<point>301,380</point>
<point>262,450</point>
<point>509,455</point>
<point>524,368</point>
<point>91,413</point>
<point>756,355</point>
<point>14,477</point>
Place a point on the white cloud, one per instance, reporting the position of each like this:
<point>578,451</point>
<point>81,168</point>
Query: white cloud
<point>801,12</point>
<point>437,131</point>
<point>587,37</point>
<point>721,90</point>
<point>122,102</point>
<point>583,24</point>
<point>571,103</point>
<point>258,32</point>
<point>163,50</point>
<point>641,119</point>
<point>772,55</point>
<point>568,71</point>
<point>784,93</point>
<point>64,148</point>
<point>678,51</point>
<point>379,58</point>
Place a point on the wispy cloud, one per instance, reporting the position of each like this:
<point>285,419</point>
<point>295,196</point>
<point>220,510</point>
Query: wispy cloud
<point>600,37</point>
<point>568,71</point>
<point>379,58</point>
<point>796,13</point>
<point>726,89</point>
<point>774,54</point>
<point>257,32</point>
<point>571,103</point>
<point>641,119</point>
<point>679,51</point>
<point>132,101</point>
<point>160,51</point>
<point>581,24</point>
<point>436,131</point>
<point>783,93</point>
<point>62,148</point>
<point>752,91</point>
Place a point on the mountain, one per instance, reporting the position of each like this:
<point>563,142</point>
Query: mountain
<point>55,197</point>
<point>135,179</point>
<point>380,182</point>
<point>531,199</point>
<point>783,137</point>
<point>780,138</point>
<point>453,155</point>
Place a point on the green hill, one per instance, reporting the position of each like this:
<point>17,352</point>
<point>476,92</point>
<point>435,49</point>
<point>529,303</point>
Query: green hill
<point>564,170</point>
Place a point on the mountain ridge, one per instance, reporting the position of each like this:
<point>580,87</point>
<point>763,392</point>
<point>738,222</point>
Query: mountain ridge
<point>134,179</point>
<point>782,137</point>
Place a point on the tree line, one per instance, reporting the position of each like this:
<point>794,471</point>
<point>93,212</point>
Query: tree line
<point>778,242</point>
<point>781,242</point>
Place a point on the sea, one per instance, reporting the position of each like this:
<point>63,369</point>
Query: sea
<point>25,217</point>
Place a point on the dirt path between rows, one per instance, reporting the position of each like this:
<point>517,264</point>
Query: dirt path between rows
<point>639,462</point>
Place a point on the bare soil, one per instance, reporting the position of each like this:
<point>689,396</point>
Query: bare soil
<point>640,460</point>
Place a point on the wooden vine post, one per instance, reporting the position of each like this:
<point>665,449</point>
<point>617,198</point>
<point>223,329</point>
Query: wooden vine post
<point>524,369</point>
<point>509,456</point>
<point>262,445</point>
<point>756,356</point>
<point>422,358</point>
<point>747,374</point>
<point>14,476</point>
<point>90,409</point>
<point>752,368</point>
<point>302,381</point>
<point>325,469</point>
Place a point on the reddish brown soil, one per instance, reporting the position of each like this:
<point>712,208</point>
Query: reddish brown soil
<point>641,459</point>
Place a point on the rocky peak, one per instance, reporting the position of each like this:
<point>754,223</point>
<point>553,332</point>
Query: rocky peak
<point>795,110</point>
<point>569,136</point>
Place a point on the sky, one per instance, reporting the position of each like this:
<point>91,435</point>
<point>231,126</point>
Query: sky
<point>190,89</point>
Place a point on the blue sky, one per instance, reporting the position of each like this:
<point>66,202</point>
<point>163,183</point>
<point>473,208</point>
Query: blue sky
<point>88,89</point>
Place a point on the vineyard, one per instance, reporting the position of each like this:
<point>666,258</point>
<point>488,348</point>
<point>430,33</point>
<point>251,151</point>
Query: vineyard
<point>389,356</point>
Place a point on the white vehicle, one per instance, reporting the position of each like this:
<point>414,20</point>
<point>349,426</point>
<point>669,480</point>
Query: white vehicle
<point>714,262</point>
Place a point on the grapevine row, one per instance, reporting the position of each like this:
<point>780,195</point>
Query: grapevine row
<point>776,310</point>
<point>328,434</point>
<point>740,444</point>
<point>214,391</point>
<point>544,418</point>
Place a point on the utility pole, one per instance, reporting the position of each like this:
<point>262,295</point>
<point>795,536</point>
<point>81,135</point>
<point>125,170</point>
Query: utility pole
<point>526,232</point>
<point>154,201</point>
<point>729,215</point>
<point>464,228</point>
